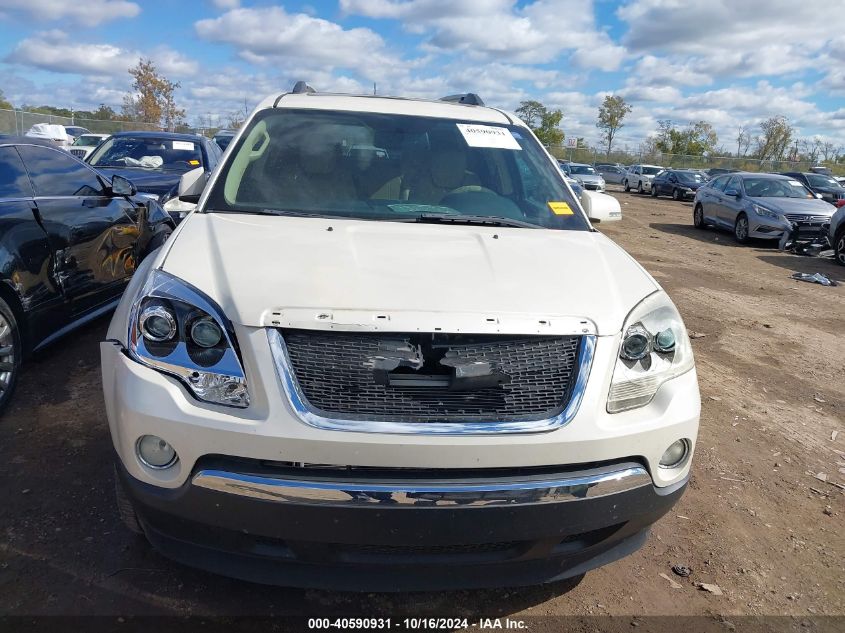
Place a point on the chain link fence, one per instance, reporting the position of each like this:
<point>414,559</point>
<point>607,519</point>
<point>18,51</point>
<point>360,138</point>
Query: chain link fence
<point>679,161</point>
<point>18,122</point>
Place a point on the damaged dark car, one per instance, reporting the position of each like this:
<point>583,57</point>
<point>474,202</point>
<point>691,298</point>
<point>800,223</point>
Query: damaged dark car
<point>71,240</point>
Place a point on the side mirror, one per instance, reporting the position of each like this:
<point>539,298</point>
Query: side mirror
<point>191,185</point>
<point>121,186</point>
<point>732,193</point>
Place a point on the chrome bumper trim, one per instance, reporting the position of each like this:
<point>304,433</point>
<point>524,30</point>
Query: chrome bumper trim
<point>510,492</point>
<point>297,400</point>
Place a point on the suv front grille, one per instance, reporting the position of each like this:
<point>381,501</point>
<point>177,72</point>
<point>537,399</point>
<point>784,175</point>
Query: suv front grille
<point>78,152</point>
<point>362,376</point>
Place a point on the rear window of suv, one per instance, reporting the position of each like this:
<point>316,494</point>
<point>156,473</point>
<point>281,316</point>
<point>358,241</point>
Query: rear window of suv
<point>376,166</point>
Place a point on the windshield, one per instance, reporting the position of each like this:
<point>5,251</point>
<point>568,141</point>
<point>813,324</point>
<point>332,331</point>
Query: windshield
<point>147,152</point>
<point>817,180</point>
<point>87,141</point>
<point>775,188</point>
<point>392,167</point>
<point>689,176</point>
<point>651,171</point>
<point>582,170</point>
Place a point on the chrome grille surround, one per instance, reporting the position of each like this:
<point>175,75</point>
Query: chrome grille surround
<point>472,425</point>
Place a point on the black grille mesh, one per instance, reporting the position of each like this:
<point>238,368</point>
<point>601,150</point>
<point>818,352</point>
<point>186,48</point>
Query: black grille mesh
<point>335,376</point>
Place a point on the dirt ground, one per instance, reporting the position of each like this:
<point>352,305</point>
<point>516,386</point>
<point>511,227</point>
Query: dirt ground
<point>755,521</point>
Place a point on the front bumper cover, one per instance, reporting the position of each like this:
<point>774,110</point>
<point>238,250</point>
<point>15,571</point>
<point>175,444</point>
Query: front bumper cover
<point>378,531</point>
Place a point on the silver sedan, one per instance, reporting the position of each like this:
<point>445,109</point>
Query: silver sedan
<point>760,206</point>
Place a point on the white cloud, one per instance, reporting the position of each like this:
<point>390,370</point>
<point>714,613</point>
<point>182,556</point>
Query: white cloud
<point>226,5</point>
<point>87,12</point>
<point>55,51</point>
<point>272,34</point>
<point>497,29</point>
<point>725,37</point>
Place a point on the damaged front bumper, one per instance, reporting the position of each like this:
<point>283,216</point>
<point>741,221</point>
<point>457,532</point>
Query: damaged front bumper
<point>400,530</point>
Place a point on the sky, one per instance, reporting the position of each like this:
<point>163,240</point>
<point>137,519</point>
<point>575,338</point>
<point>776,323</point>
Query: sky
<point>728,62</point>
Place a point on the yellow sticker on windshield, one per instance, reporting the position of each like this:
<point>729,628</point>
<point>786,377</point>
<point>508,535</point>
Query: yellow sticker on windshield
<point>560,208</point>
<point>193,162</point>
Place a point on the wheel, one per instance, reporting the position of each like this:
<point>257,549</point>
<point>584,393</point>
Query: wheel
<point>124,507</point>
<point>675,195</point>
<point>11,351</point>
<point>640,187</point>
<point>157,240</point>
<point>698,217</point>
<point>839,247</point>
<point>741,228</point>
<point>625,184</point>
<point>653,191</point>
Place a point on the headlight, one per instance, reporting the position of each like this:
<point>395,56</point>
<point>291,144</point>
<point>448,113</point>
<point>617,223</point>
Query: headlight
<point>175,205</point>
<point>177,330</point>
<point>766,213</point>
<point>655,348</point>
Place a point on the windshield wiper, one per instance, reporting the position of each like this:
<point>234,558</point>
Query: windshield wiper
<point>480,220</point>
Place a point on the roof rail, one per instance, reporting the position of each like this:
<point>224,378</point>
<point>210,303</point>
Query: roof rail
<point>300,87</point>
<point>470,98</point>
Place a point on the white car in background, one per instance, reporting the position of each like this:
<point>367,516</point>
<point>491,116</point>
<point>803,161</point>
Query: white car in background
<point>85,144</point>
<point>599,207</point>
<point>50,132</point>
<point>639,177</point>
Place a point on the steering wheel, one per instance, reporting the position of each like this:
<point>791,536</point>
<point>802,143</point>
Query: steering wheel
<point>473,189</point>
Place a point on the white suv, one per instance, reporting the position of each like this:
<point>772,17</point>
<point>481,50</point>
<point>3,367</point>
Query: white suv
<point>639,177</point>
<point>388,351</point>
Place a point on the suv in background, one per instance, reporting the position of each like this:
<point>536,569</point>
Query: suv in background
<point>837,235</point>
<point>639,177</point>
<point>826,186</point>
<point>391,369</point>
<point>85,144</point>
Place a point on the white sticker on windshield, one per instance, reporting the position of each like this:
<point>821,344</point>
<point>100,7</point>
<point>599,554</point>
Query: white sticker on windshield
<point>794,183</point>
<point>487,136</point>
<point>183,145</point>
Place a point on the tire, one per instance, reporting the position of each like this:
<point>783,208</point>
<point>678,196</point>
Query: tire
<point>675,196</point>
<point>640,189</point>
<point>741,229</point>
<point>698,217</point>
<point>157,240</point>
<point>626,185</point>
<point>11,353</point>
<point>653,191</point>
<point>839,248</point>
<point>124,507</point>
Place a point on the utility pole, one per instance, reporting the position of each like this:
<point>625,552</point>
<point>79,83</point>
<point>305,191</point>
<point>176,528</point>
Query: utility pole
<point>375,92</point>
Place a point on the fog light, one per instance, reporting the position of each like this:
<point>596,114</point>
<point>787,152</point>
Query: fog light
<point>675,454</point>
<point>155,452</point>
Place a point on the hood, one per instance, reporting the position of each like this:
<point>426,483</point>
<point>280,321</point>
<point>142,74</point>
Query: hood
<point>146,180</point>
<point>589,177</point>
<point>809,206</point>
<point>254,265</point>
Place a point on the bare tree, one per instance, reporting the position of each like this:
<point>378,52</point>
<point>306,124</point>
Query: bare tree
<point>743,140</point>
<point>829,151</point>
